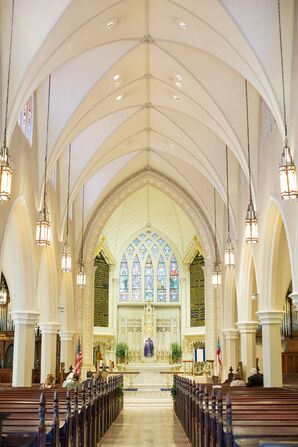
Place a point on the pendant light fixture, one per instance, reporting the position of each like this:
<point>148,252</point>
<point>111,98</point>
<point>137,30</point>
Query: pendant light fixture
<point>43,226</point>
<point>251,221</point>
<point>66,255</point>
<point>216,275</point>
<point>229,257</point>
<point>81,276</point>
<point>5,168</point>
<point>287,168</point>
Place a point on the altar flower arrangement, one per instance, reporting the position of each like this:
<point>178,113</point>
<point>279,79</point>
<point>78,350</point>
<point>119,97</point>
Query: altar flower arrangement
<point>122,352</point>
<point>176,352</point>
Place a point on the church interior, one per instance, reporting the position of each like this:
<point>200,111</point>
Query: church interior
<point>148,219</point>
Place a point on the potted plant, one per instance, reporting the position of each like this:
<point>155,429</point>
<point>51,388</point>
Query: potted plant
<point>176,353</point>
<point>122,352</point>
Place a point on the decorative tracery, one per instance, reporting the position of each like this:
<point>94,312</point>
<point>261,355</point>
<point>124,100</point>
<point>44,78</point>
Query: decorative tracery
<point>149,271</point>
<point>25,120</point>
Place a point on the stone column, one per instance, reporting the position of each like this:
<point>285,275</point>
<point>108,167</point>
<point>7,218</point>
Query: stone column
<point>48,349</point>
<point>231,351</point>
<point>67,348</point>
<point>88,320</point>
<point>247,331</point>
<point>24,344</point>
<point>271,321</point>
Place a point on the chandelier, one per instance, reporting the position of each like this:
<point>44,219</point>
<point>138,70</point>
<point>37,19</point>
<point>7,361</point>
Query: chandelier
<point>81,275</point>
<point>229,257</point>
<point>66,255</point>
<point>43,225</point>
<point>216,275</point>
<point>5,168</point>
<point>251,221</point>
<point>287,168</point>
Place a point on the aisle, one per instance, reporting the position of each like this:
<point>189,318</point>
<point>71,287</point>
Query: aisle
<point>147,420</point>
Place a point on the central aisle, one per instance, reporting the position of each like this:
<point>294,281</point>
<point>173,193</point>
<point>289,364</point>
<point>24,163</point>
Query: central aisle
<point>146,420</point>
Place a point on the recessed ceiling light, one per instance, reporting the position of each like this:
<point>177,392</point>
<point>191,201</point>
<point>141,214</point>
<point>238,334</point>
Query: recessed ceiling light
<point>181,24</point>
<point>111,22</point>
<point>178,84</point>
<point>176,97</point>
<point>116,77</point>
<point>119,97</point>
<point>172,145</point>
<point>117,84</point>
<point>179,77</point>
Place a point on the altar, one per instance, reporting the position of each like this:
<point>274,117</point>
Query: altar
<point>149,375</point>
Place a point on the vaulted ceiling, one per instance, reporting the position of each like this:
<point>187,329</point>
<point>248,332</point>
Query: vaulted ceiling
<point>139,83</point>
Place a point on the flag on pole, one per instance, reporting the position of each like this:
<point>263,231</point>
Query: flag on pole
<point>79,358</point>
<point>218,352</point>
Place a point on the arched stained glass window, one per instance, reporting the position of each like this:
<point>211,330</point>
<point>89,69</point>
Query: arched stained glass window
<point>123,280</point>
<point>149,280</point>
<point>136,280</point>
<point>161,281</point>
<point>174,280</point>
<point>25,120</point>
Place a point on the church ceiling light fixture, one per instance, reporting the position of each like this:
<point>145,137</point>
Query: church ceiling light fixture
<point>5,167</point>
<point>111,22</point>
<point>229,257</point>
<point>43,226</point>
<point>176,98</point>
<point>251,221</point>
<point>66,255</point>
<point>81,275</point>
<point>216,275</point>
<point>119,97</point>
<point>181,24</point>
<point>287,168</point>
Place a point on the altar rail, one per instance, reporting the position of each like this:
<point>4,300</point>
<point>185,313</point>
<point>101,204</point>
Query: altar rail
<point>66,418</point>
<point>267,414</point>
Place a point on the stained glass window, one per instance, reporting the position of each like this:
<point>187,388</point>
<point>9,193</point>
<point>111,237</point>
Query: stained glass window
<point>136,280</point>
<point>124,279</point>
<point>174,280</point>
<point>161,281</point>
<point>136,241</point>
<point>167,250</point>
<point>148,242</point>
<point>161,241</point>
<point>149,280</point>
<point>130,251</point>
<point>143,251</point>
<point>25,120</point>
<point>155,250</point>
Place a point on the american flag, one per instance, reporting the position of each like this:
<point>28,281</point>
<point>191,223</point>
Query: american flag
<point>79,358</point>
<point>218,352</point>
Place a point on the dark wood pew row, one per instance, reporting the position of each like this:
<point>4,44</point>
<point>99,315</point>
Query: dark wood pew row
<point>53,418</point>
<point>231,416</point>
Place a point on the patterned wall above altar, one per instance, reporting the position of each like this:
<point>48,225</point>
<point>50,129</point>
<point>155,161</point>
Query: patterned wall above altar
<point>197,292</point>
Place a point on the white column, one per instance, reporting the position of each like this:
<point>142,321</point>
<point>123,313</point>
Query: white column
<point>67,354</point>
<point>272,364</point>
<point>88,320</point>
<point>24,343</point>
<point>231,348</point>
<point>247,331</point>
<point>48,349</point>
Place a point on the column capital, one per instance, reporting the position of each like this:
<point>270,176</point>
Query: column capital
<point>49,328</point>
<point>270,316</point>
<point>23,317</point>
<point>247,327</point>
<point>294,297</point>
<point>231,334</point>
<point>66,335</point>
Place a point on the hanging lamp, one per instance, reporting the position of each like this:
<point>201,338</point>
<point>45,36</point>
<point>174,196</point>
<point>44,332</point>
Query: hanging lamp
<point>251,221</point>
<point>43,226</point>
<point>5,168</point>
<point>66,255</point>
<point>216,275</point>
<point>229,257</point>
<point>287,168</point>
<point>81,276</point>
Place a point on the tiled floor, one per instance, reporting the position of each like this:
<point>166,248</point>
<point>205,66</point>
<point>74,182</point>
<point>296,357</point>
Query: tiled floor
<point>147,420</point>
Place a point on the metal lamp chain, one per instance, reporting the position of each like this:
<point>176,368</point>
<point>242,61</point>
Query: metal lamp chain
<point>282,73</point>
<point>8,76</point>
<point>215,241</point>
<point>228,196</point>
<point>68,185</point>
<point>47,143</point>
<point>83,209</point>
<point>248,142</point>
